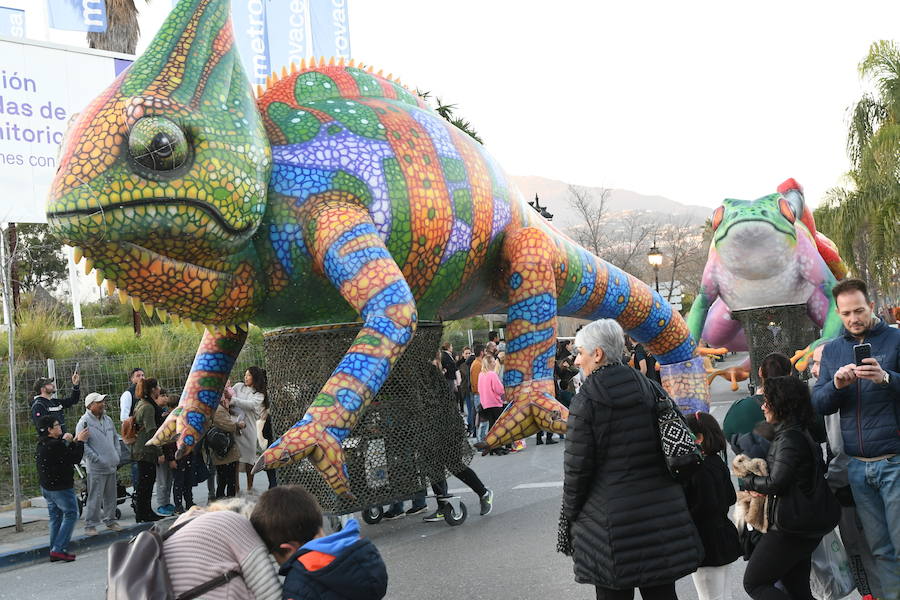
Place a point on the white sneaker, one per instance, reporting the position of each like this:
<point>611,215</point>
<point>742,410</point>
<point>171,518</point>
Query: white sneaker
<point>114,527</point>
<point>90,531</point>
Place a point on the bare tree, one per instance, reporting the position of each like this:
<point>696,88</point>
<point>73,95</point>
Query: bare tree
<point>631,232</point>
<point>683,247</point>
<point>591,210</point>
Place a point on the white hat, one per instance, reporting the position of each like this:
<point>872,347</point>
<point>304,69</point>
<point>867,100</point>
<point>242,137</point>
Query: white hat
<point>93,397</point>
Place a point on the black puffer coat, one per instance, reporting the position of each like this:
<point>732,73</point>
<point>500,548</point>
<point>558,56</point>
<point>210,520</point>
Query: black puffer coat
<point>631,525</point>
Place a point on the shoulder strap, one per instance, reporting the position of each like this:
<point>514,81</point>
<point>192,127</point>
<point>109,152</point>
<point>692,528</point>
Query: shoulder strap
<point>212,584</point>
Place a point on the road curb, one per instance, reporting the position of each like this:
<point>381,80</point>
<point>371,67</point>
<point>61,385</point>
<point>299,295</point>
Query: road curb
<point>40,553</point>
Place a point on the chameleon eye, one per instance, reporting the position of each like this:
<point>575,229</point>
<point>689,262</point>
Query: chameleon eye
<point>717,217</point>
<point>786,210</point>
<point>158,144</point>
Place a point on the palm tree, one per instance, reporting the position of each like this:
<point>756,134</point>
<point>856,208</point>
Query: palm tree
<point>446,111</point>
<point>863,217</point>
<point>122,30</point>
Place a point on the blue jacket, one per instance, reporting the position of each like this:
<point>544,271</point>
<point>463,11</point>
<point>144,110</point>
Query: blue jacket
<point>870,412</point>
<point>340,566</point>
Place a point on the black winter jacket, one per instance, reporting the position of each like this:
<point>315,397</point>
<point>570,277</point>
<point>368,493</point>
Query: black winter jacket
<point>56,460</point>
<point>630,522</point>
<point>710,495</point>
<point>790,462</point>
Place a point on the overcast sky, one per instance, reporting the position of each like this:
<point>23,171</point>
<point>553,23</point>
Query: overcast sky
<point>693,100</point>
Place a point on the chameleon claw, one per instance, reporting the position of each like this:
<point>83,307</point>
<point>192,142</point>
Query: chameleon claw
<point>312,440</point>
<point>168,431</point>
<point>532,410</point>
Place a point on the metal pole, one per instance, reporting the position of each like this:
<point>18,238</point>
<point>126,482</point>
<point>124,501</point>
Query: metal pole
<point>656,276</point>
<point>10,336</point>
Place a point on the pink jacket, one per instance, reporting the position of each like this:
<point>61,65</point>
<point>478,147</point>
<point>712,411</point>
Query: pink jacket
<point>489,389</point>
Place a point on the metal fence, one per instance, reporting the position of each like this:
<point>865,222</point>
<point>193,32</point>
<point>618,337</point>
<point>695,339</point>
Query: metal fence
<point>782,328</point>
<point>107,375</point>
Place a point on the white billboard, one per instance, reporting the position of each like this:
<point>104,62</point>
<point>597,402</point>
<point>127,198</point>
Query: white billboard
<point>41,86</point>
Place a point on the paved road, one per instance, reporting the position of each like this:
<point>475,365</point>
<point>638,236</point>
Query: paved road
<point>508,554</point>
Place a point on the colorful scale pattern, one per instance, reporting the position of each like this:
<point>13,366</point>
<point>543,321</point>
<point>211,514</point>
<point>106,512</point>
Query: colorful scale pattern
<point>371,205</point>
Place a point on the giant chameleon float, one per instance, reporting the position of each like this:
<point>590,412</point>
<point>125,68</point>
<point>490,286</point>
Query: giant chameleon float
<point>333,194</point>
<point>766,252</point>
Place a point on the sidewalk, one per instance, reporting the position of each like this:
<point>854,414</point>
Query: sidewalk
<point>31,546</point>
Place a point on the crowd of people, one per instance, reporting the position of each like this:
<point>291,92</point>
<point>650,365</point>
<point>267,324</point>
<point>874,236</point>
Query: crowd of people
<point>628,522</point>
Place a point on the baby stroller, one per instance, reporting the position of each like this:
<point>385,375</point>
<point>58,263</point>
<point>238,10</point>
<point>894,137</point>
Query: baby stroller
<point>122,493</point>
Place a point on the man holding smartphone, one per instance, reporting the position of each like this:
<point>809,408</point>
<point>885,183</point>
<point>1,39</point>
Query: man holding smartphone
<point>46,404</point>
<point>866,391</point>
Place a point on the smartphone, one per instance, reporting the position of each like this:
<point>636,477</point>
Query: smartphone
<point>76,367</point>
<point>861,351</point>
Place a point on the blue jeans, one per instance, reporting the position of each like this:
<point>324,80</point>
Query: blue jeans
<point>470,410</point>
<point>876,491</point>
<point>63,509</point>
<point>418,502</point>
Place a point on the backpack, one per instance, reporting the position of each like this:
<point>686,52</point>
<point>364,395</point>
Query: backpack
<point>129,428</point>
<point>137,569</point>
<point>219,441</point>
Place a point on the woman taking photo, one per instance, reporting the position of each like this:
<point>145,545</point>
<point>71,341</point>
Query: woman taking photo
<point>249,399</point>
<point>147,457</point>
<point>629,518</point>
<point>801,507</point>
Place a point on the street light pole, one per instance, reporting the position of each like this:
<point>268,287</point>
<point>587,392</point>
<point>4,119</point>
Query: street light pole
<point>655,257</point>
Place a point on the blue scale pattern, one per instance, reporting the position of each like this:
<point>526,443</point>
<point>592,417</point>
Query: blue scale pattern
<point>217,362</point>
<point>512,377</point>
<point>529,339</point>
<point>681,353</point>
<point>339,267</point>
<point>536,309</point>
<point>371,370</point>
<point>196,420</point>
<point>284,238</point>
<point>395,293</point>
<point>588,279</point>
<point>299,182</point>
<point>617,294</point>
<point>209,398</point>
<point>390,329</point>
<point>189,440</point>
<point>542,367</point>
<point>349,399</point>
<point>656,321</point>
<point>339,433</point>
<point>515,280</point>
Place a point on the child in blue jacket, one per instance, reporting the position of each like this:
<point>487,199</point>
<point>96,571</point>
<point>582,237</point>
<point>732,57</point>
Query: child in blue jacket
<point>340,566</point>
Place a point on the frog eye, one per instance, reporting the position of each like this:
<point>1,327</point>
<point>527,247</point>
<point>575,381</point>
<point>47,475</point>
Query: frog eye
<point>786,210</point>
<point>158,144</point>
<point>717,217</point>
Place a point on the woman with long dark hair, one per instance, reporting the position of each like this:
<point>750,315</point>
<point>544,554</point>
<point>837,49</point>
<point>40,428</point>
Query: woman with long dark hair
<point>147,457</point>
<point>247,404</point>
<point>801,507</point>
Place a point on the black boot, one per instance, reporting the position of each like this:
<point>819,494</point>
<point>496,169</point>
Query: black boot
<point>540,438</point>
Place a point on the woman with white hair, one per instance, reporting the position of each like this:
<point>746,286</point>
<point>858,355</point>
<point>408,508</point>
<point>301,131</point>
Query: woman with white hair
<point>630,522</point>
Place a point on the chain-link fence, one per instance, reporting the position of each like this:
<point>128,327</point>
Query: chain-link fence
<point>107,375</point>
<point>412,432</point>
<point>784,328</point>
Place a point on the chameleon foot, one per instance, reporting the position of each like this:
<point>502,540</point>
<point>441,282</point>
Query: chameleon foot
<point>531,410</point>
<point>309,439</point>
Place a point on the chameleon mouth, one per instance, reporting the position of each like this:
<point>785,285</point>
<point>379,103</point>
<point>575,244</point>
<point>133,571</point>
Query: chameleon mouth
<point>133,208</point>
<point>154,272</point>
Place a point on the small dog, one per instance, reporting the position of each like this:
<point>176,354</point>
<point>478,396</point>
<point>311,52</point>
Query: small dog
<point>750,509</point>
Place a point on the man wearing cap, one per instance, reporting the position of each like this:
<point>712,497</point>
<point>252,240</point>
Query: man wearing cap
<point>44,404</point>
<point>101,455</point>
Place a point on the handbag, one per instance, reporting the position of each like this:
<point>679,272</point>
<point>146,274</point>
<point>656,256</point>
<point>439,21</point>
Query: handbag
<point>814,514</point>
<point>679,446</point>
<point>219,441</point>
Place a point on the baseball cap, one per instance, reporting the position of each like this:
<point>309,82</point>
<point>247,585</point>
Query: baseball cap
<point>41,382</point>
<point>93,397</point>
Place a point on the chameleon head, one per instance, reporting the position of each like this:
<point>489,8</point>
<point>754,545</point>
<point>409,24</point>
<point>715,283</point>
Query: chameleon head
<point>162,178</point>
<point>755,239</point>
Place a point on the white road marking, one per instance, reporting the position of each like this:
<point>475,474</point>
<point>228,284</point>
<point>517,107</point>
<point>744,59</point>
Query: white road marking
<point>544,484</point>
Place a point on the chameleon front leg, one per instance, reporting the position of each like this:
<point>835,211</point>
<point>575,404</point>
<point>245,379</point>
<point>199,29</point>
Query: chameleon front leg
<point>346,247</point>
<point>531,349</point>
<point>212,364</point>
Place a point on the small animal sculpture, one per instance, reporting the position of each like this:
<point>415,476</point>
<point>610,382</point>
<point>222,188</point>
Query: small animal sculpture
<point>732,374</point>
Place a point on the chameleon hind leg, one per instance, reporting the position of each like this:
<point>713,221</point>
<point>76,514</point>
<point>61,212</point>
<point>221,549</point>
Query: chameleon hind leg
<point>531,347</point>
<point>346,248</point>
